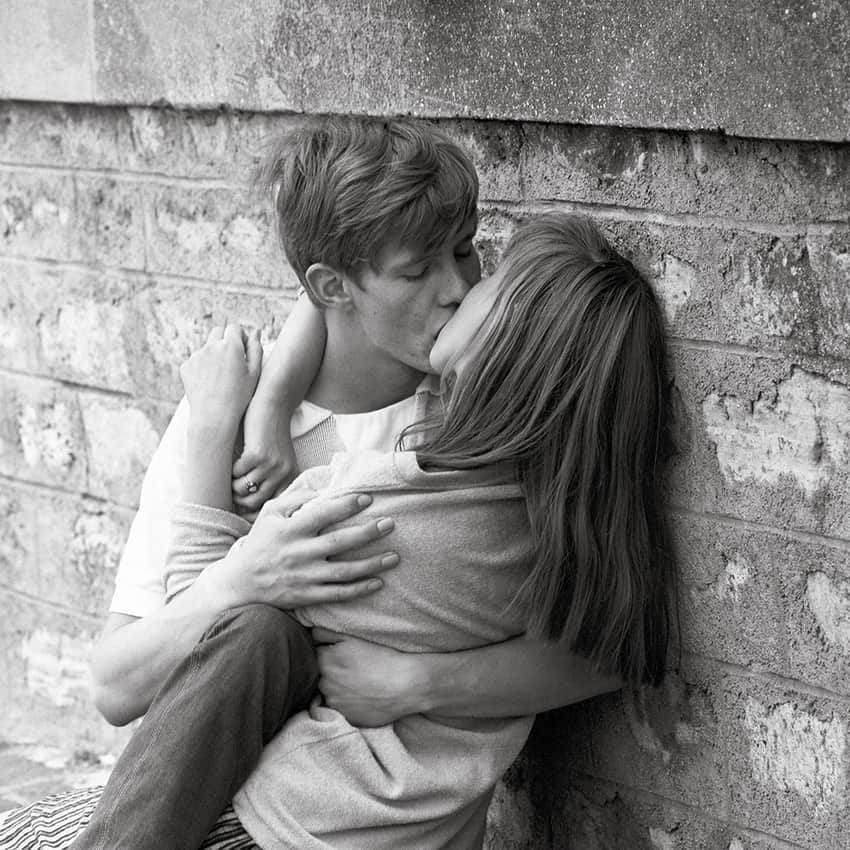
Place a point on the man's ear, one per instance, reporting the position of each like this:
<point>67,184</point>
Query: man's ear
<point>327,286</point>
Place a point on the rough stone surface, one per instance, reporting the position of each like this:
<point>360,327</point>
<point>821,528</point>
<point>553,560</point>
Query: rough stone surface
<point>674,173</point>
<point>668,741</point>
<point>109,227</point>
<point>211,233</point>
<point>36,214</point>
<point>765,69</point>
<point>798,433</point>
<point>730,595</point>
<point>41,433</point>
<point>46,50</point>
<point>685,172</point>
<point>794,751</point>
<point>120,440</point>
<point>766,442</point>
<point>118,332</point>
<point>788,772</point>
<point>60,548</point>
<point>45,690</point>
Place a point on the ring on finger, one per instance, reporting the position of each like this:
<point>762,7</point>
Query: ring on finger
<point>251,487</point>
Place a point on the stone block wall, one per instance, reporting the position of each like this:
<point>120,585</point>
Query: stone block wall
<point>126,232</point>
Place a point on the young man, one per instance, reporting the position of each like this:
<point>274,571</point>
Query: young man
<point>378,219</point>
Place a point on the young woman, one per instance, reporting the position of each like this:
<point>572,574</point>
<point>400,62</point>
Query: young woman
<point>532,507</point>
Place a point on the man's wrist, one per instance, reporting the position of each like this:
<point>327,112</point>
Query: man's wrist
<point>427,681</point>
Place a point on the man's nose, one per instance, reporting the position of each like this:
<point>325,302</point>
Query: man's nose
<point>454,287</point>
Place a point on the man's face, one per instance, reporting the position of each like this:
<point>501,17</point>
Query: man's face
<point>404,302</point>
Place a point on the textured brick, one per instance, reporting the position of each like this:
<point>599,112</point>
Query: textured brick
<point>36,215</point>
<point>593,816</point>
<point>815,582</point>
<point>773,766</point>
<point>686,173</point>
<point>19,311</point>
<point>81,441</point>
<point>682,264</point>
<point>215,234</point>
<point>788,293</point>
<point>62,135</point>
<point>120,439</point>
<point>41,433</point>
<point>219,145</point>
<point>160,141</point>
<point>67,323</point>
<point>216,145</point>
<point>512,819</point>
<point>495,150</point>
<point>765,601</point>
<point>495,227</point>
<point>110,223</point>
<point>763,440</point>
<point>118,332</point>
<point>730,593</point>
<point>61,548</point>
<point>788,762</point>
<point>729,285</point>
<point>829,258</point>
<point>665,740</point>
<point>44,681</point>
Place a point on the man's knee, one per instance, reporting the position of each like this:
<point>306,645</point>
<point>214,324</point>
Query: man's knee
<point>264,638</point>
<point>259,627</point>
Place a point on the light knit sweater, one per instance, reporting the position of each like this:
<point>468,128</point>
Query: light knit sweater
<point>423,781</point>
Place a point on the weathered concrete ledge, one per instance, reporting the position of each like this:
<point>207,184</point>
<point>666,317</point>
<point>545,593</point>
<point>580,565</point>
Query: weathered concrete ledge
<point>759,68</point>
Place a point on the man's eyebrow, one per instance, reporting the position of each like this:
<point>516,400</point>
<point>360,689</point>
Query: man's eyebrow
<point>413,258</point>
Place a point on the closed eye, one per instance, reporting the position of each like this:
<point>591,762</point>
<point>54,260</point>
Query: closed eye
<point>414,275</point>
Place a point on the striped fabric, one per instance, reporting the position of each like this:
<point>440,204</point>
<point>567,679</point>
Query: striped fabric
<point>53,823</point>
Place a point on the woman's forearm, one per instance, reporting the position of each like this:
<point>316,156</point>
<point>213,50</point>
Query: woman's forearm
<point>209,459</point>
<point>508,679</point>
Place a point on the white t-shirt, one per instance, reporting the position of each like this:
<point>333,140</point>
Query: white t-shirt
<point>139,586</point>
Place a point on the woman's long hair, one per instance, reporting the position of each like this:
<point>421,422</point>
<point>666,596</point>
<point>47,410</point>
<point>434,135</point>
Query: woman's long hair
<point>569,384</point>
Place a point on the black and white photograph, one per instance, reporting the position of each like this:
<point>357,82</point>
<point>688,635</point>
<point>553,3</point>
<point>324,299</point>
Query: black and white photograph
<point>425,425</point>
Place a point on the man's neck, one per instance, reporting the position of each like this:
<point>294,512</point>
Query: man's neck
<point>356,378</point>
